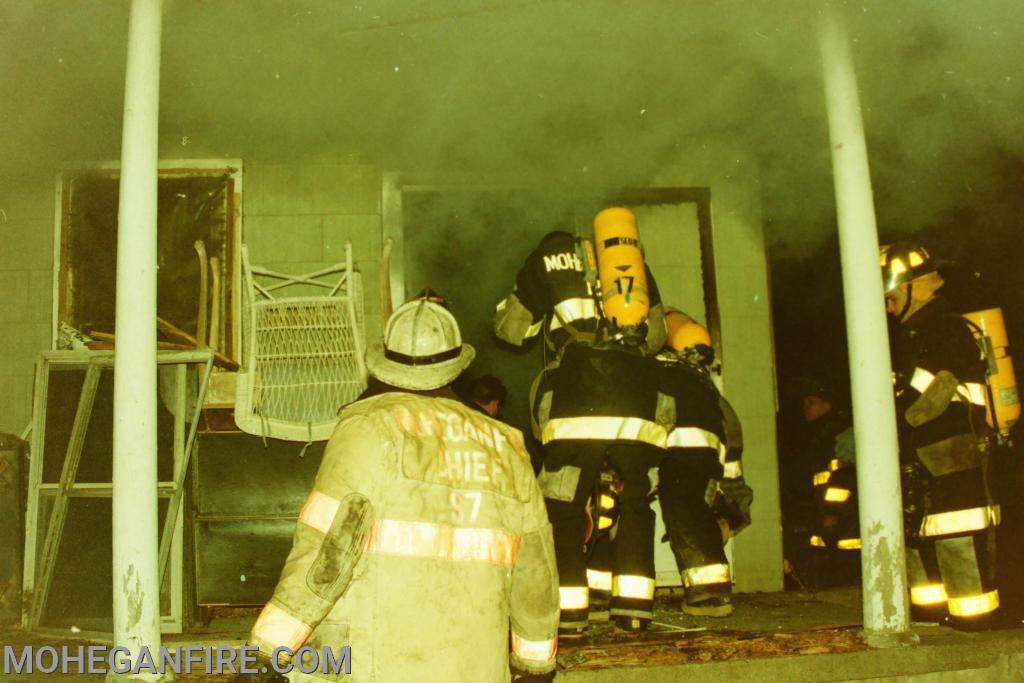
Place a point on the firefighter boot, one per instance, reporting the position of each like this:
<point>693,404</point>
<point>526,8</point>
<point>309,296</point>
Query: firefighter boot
<point>927,592</point>
<point>694,533</point>
<point>707,605</point>
<point>967,571</point>
<point>631,624</point>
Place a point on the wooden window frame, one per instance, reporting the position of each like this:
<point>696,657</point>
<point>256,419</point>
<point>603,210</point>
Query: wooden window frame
<point>171,168</point>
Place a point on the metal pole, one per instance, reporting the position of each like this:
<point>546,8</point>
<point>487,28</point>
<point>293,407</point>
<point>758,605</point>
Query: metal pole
<point>136,580</point>
<point>886,616</point>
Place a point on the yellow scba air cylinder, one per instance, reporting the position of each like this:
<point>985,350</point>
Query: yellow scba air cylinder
<point>990,330</point>
<point>683,331</point>
<point>620,268</point>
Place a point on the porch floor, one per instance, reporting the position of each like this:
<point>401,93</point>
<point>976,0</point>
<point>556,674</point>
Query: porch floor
<point>770,637</point>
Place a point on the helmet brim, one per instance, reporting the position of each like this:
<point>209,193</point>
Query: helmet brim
<point>417,377</point>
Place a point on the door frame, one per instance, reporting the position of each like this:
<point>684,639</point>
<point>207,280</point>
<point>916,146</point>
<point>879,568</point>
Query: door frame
<point>396,184</point>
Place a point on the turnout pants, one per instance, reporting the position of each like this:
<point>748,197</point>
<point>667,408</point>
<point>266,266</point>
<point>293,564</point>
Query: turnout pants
<point>693,530</point>
<point>567,479</point>
<point>599,572</point>
<point>957,536</point>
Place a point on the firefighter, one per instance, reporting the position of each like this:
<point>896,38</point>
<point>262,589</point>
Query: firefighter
<point>704,498</point>
<point>838,522</point>
<point>821,491</point>
<point>486,393</point>
<point>939,383</point>
<point>556,292</point>
<point>425,536</point>
<point>595,408</point>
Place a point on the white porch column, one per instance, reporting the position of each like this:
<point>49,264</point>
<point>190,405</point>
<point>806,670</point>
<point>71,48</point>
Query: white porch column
<point>136,584</point>
<point>886,616</point>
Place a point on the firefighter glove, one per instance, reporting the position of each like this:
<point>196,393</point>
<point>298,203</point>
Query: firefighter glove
<point>735,501</point>
<point>846,446</point>
<point>934,400</point>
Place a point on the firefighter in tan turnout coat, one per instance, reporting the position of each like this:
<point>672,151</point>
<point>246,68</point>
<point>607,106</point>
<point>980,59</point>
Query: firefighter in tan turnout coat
<point>424,545</point>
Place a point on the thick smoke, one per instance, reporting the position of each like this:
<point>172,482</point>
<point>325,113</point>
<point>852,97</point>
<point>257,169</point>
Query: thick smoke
<point>578,98</point>
<point>584,97</point>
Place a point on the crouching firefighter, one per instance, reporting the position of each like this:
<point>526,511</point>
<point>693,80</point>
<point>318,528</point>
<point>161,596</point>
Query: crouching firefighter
<point>556,292</point>
<point>425,537</point>
<point>596,408</point>
<point>940,403</point>
<point>704,498</point>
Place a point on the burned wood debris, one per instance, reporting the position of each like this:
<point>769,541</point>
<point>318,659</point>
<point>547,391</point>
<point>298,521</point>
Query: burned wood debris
<point>670,645</point>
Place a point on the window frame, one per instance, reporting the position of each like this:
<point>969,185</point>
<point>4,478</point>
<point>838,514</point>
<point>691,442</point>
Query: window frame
<point>167,168</point>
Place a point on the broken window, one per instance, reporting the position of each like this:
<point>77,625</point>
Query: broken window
<point>198,234</point>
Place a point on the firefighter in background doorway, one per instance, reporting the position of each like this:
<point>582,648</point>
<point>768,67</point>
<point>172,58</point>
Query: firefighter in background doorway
<point>940,376</point>
<point>838,521</point>
<point>486,393</point>
<point>704,498</point>
<point>597,408</point>
<point>424,544</point>
<point>819,500</point>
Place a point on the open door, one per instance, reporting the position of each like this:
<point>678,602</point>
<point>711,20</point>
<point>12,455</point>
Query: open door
<point>468,243</point>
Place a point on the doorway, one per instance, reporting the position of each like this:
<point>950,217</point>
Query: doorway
<point>467,243</point>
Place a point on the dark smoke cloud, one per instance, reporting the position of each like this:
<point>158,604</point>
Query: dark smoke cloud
<point>582,97</point>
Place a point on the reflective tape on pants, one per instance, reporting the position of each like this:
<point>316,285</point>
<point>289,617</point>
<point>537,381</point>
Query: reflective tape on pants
<point>929,594</point>
<point>636,587</point>
<point>960,521</point>
<point>834,494</point>
<point>707,575</point>
<point>848,544</point>
<point>534,650</point>
<point>598,580</point>
<point>974,605</point>
<point>573,597</point>
<point>817,541</point>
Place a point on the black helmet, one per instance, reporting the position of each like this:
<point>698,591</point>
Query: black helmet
<point>810,385</point>
<point>903,262</point>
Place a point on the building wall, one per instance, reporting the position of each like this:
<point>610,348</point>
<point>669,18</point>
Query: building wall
<point>26,288</point>
<point>297,216</point>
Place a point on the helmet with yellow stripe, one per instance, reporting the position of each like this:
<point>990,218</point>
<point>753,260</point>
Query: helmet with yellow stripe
<point>904,262</point>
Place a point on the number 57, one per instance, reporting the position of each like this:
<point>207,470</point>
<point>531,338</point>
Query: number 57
<point>462,500</point>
